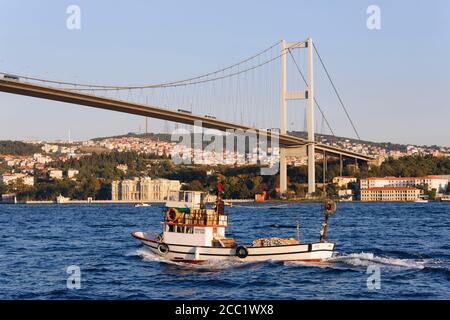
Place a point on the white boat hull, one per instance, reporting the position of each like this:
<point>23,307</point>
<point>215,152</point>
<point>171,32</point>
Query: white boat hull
<point>311,252</point>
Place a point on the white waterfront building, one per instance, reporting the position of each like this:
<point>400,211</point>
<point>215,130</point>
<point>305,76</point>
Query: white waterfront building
<point>7,178</point>
<point>433,182</point>
<point>143,189</point>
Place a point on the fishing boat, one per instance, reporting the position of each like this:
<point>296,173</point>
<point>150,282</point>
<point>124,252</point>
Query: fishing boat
<point>193,233</point>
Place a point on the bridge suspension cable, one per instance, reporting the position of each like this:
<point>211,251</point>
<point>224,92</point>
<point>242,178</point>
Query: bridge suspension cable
<point>195,80</point>
<point>183,82</point>
<point>336,91</point>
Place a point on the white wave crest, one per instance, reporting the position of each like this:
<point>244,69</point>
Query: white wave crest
<point>147,255</point>
<point>365,259</point>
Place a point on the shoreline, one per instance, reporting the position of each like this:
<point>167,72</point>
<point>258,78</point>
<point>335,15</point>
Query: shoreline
<point>109,202</point>
<point>311,201</point>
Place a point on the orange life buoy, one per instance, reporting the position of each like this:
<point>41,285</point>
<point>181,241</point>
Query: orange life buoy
<point>330,206</point>
<point>172,218</point>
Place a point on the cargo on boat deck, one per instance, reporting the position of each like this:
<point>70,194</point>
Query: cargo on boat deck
<point>270,242</point>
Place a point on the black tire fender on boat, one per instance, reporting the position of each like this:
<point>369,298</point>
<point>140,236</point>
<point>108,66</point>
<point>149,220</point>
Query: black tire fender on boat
<point>163,248</point>
<point>241,252</point>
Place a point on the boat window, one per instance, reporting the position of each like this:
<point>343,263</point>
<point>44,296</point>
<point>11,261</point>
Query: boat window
<point>187,197</point>
<point>174,196</point>
<point>189,230</point>
<point>202,197</point>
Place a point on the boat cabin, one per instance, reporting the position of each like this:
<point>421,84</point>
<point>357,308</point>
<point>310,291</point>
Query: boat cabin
<point>185,199</point>
<point>188,221</point>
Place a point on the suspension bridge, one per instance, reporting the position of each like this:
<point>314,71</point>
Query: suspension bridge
<point>248,95</point>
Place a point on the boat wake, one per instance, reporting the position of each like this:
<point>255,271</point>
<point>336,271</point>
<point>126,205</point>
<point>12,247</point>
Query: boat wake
<point>147,255</point>
<point>364,259</point>
<point>342,261</point>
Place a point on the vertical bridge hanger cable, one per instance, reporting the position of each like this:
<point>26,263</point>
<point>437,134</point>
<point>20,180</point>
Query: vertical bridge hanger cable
<point>315,101</point>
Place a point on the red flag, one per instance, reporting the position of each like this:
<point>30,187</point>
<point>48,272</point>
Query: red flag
<point>219,186</point>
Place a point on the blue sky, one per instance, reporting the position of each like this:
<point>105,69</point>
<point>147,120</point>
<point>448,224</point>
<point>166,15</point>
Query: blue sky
<point>394,81</point>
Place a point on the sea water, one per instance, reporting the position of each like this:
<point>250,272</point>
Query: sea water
<point>383,251</point>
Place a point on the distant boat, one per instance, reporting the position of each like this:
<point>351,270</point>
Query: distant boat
<point>421,200</point>
<point>138,205</point>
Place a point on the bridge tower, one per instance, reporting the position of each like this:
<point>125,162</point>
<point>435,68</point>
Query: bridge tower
<point>285,96</point>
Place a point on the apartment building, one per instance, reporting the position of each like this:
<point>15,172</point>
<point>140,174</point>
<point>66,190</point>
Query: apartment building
<point>7,178</point>
<point>390,194</point>
<point>55,174</point>
<point>71,173</point>
<point>433,182</point>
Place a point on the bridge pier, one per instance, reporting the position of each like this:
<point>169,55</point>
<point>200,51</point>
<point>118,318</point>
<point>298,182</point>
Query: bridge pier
<point>283,165</point>
<point>324,172</point>
<point>283,171</point>
<point>293,95</point>
<point>310,121</point>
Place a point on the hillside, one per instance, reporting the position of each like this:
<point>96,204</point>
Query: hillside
<point>18,148</point>
<point>324,138</point>
<point>330,139</point>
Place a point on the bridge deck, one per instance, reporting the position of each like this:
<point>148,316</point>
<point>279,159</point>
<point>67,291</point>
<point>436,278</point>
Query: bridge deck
<point>62,95</point>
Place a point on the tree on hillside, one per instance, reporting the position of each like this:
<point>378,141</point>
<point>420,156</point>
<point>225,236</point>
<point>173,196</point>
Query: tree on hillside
<point>18,148</point>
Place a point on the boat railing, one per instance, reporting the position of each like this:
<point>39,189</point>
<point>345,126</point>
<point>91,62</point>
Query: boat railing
<point>198,217</point>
